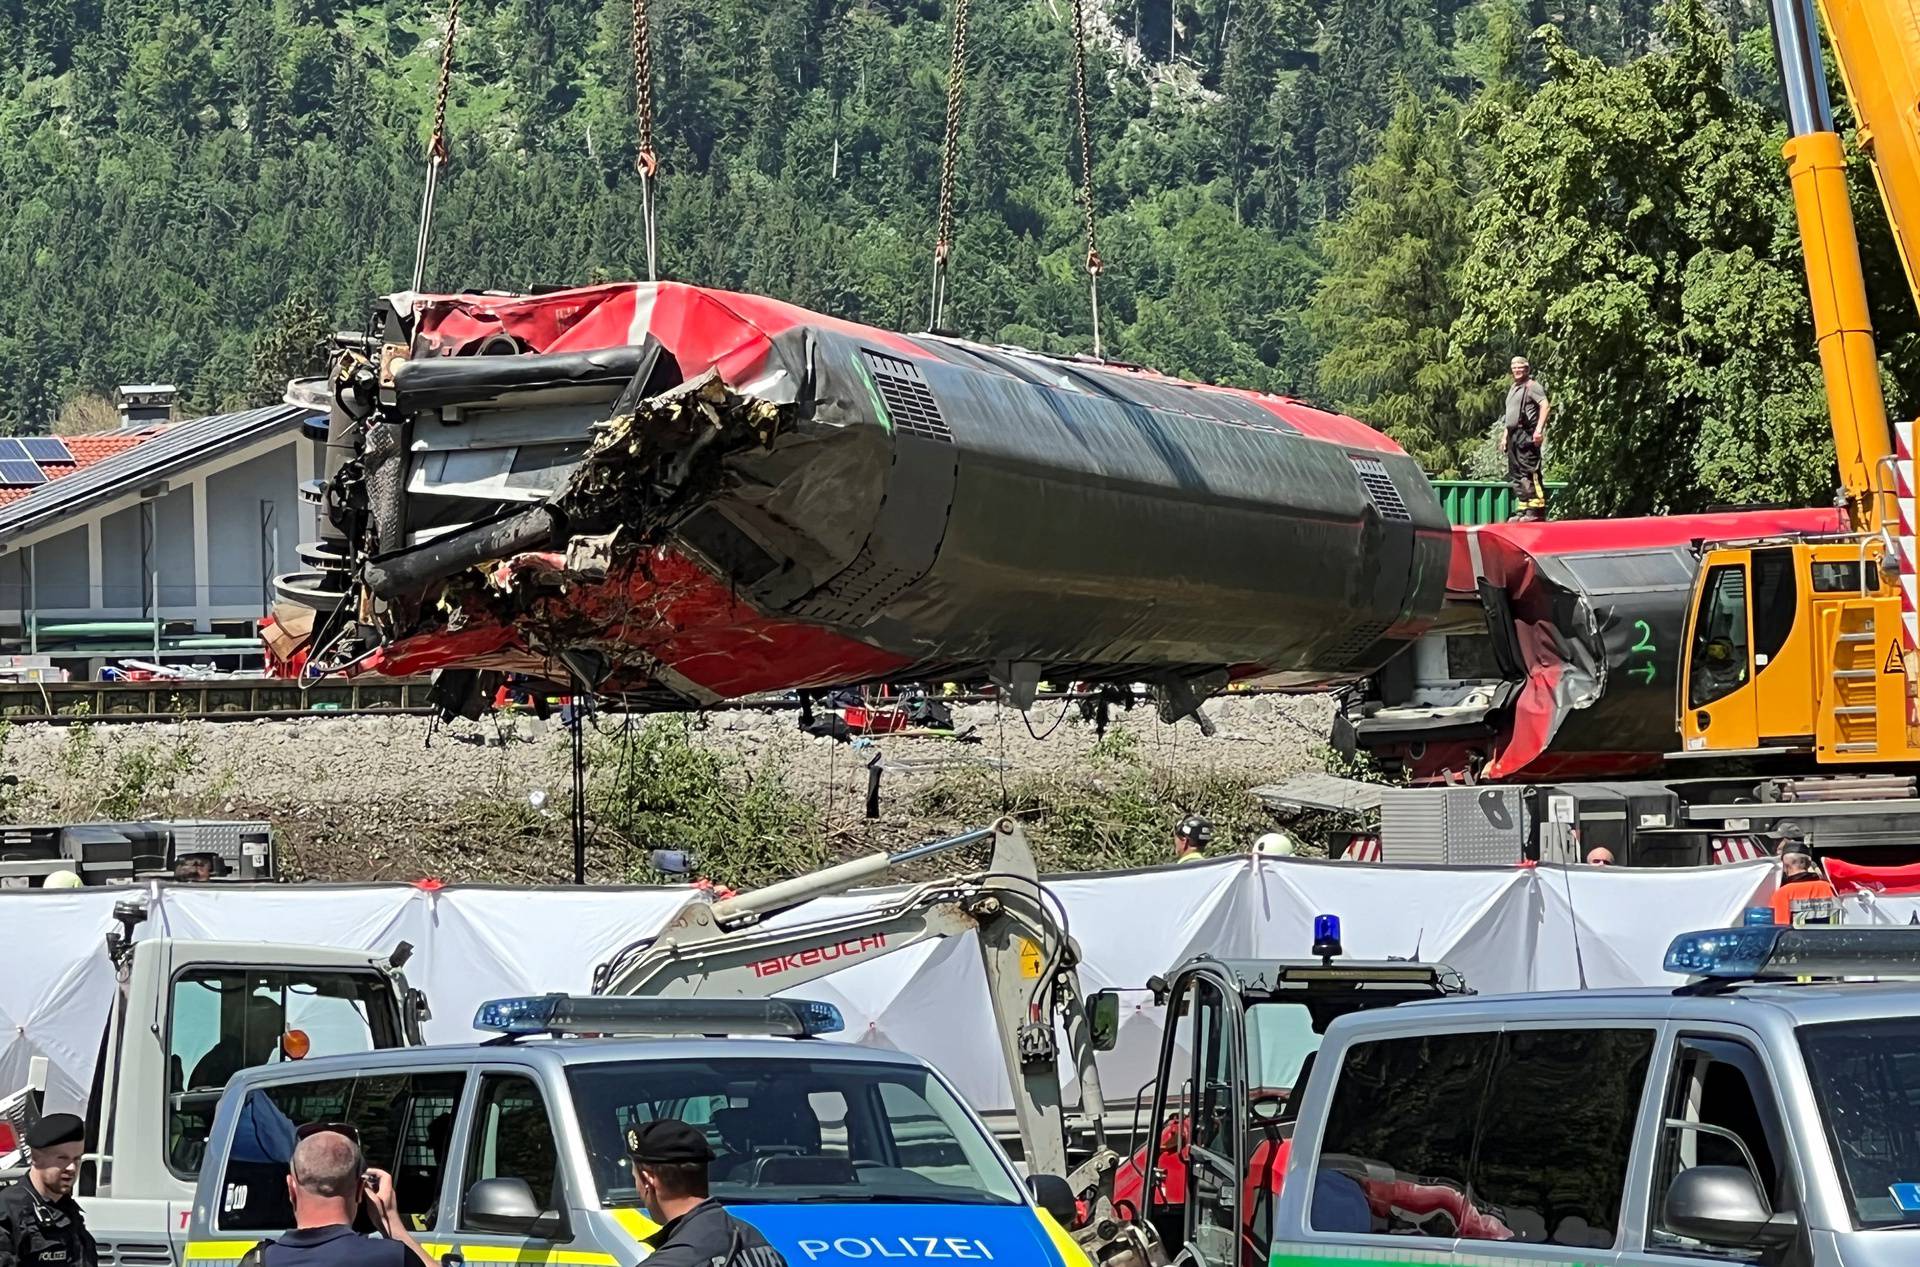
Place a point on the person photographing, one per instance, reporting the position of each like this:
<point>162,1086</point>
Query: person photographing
<point>670,1160</point>
<point>327,1183</point>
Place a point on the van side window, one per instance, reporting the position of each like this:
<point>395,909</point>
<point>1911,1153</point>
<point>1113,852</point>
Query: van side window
<point>1462,1157</point>
<point>1720,1111</point>
<point>1574,1096</point>
<point>513,1138</point>
<point>393,1113</point>
<point>1412,1152</point>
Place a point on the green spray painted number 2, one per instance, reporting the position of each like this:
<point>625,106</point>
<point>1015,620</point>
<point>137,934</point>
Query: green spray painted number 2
<point>1644,647</point>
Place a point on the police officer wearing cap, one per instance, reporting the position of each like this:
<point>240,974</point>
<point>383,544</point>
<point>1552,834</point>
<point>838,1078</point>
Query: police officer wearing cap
<point>1191,838</point>
<point>40,1224</point>
<point>670,1160</point>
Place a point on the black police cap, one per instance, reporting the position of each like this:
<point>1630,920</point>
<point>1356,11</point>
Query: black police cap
<point>668,1141</point>
<point>56,1129</point>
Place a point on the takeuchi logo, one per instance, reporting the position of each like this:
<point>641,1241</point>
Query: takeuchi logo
<point>849,949</point>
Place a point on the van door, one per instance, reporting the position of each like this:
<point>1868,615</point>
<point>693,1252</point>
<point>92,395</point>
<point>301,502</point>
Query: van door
<point>509,1143</point>
<point>1720,1108</point>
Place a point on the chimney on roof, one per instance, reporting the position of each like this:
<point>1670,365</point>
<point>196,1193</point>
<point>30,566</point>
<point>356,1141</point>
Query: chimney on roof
<point>143,403</point>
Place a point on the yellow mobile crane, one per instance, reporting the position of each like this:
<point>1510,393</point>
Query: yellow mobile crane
<point>1806,644</point>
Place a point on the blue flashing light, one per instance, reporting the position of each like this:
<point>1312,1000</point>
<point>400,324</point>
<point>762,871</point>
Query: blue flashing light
<point>560,1014</point>
<point>1723,952</point>
<point>1326,936</point>
<point>1757,916</point>
<point>528,1015</point>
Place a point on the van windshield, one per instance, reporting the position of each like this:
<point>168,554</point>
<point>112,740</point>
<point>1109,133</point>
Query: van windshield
<point>1866,1077</point>
<point>786,1130</point>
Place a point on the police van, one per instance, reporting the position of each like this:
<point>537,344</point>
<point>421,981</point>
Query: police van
<point>512,1150</point>
<point>1767,1112</point>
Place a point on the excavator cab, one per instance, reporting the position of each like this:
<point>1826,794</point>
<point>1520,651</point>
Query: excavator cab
<point>1238,1048</point>
<point>1794,647</point>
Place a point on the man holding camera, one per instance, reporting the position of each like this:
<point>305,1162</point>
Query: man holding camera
<point>328,1181</point>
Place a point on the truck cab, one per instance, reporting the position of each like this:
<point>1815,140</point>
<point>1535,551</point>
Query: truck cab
<point>186,1017</point>
<point>1241,1039</point>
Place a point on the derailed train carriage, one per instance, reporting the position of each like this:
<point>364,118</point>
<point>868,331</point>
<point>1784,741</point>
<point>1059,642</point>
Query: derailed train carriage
<point>685,495</point>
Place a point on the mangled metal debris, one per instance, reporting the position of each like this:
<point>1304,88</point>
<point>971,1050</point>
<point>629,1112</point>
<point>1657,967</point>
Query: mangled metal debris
<point>690,495</point>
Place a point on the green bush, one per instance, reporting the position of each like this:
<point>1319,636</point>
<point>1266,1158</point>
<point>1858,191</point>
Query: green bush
<point>651,787</point>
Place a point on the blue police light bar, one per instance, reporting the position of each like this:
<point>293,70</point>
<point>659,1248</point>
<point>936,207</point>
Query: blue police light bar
<point>561,1014</point>
<point>1760,952</point>
<point>1757,915</point>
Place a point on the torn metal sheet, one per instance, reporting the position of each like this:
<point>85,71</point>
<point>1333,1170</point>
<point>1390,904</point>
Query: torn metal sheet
<point>707,495</point>
<point>1569,669</point>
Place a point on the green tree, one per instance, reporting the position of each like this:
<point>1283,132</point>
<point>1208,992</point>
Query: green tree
<point>1384,313</point>
<point>1636,241</point>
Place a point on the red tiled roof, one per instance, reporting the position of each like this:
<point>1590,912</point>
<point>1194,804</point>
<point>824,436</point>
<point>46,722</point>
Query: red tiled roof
<point>86,451</point>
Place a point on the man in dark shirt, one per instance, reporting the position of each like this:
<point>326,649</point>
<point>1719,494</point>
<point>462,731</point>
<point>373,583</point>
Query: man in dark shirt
<point>1523,433</point>
<point>670,1162</point>
<point>327,1183</point>
<point>40,1225</point>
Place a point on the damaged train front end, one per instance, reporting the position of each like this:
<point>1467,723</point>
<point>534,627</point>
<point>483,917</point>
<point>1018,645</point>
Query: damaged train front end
<point>681,496</point>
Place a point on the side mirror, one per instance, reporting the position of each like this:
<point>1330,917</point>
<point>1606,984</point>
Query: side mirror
<point>1103,1019</point>
<point>1723,1205</point>
<point>1053,1194</point>
<point>506,1206</point>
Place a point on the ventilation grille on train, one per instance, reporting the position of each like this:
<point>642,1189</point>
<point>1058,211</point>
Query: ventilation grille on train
<point>1379,485</point>
<point>859,592</point>
<point>910,402</point>
<point>135,1254</point>
<point>1359,640</point>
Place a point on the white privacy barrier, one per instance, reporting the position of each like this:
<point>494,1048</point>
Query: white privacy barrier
<point>1505,929</point>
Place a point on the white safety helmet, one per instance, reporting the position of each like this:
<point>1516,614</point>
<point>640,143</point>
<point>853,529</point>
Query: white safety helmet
<point>1277,843</point>
<point>61,880</point>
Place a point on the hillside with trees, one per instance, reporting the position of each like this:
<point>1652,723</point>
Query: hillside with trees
<point>1368,203</point>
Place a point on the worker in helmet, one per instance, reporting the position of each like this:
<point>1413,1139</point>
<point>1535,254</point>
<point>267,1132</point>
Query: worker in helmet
<point>1191,838</point>
<point>1275,844</point>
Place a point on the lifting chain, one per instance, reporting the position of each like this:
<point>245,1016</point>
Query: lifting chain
<point>645,161</point>
<point>437,147</point>
<point>1086,164</point>
<point>949,163</point>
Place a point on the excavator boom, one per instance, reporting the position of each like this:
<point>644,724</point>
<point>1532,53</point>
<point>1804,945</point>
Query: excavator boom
<point>728,949</point>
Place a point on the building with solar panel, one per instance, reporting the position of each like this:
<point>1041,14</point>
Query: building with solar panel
<point>156,542</point>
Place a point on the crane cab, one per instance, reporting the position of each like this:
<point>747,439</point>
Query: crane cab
<point>1794,646</point>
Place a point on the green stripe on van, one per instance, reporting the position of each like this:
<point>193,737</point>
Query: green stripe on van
<point>1374,1256</point>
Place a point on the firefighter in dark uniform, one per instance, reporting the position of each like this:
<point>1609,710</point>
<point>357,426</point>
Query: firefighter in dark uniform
<point>670,1160</point>
<point>40,1224</point>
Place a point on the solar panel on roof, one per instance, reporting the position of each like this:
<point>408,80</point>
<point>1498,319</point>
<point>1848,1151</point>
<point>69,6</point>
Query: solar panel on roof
<point>48,449</point>
<point>20,473</point>
<point>12,450</point>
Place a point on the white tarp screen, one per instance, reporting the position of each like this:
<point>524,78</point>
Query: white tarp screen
<point>1505,929</point>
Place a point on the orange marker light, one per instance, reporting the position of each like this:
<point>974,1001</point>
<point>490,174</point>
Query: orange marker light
<point>296,1044</point>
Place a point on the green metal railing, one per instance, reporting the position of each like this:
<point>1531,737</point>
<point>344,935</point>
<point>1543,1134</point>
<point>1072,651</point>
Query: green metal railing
<point>1470,502</point>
